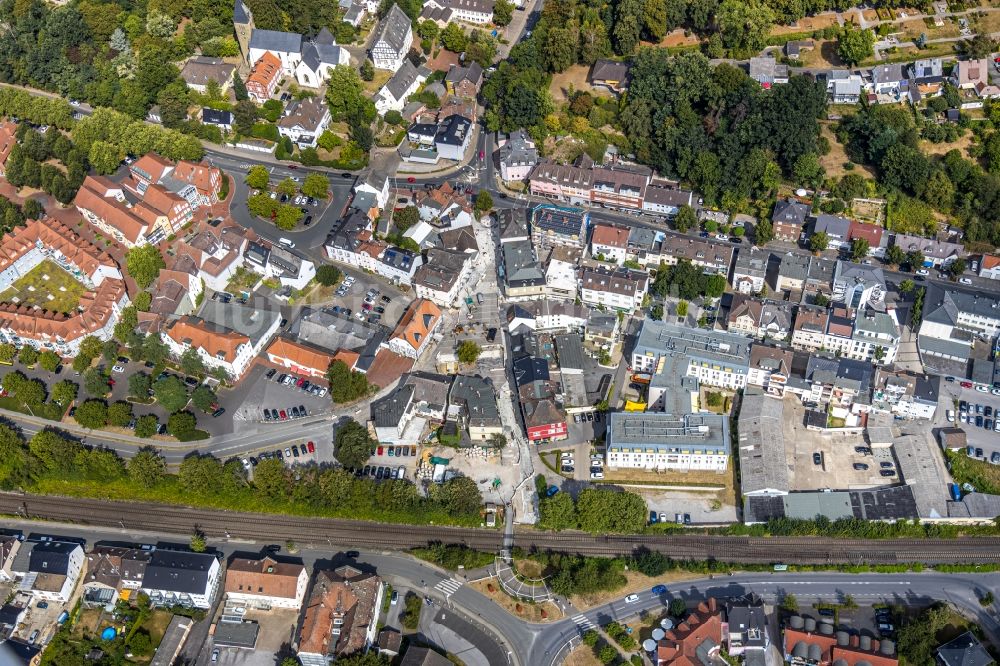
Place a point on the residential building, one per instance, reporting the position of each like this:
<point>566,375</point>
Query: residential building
<point>750,270</point>
<point>619,288</point>
<point>770,368</point>
<point>454,137</point>
<point>601,328</point>
<point>544,420</point>
<point>9,546</point>
<point>610,74</point>
<point>376,184</point>
<point>521,272</point>
<point>320,55</point>
<point>306,359</point>
<point>182,578</point>
<point>8,139</point>
<point>964,650</point>
<point>835,227</point>
<point>564,182</point>
<point>264,583</point>
<point>114,572</point>
<point>858,285</point>
<point>341,615</point>
<point>464,81</point>
<point>788,220</point>
<point>304,120</point>
<point>264,78</point>
<point>609,242</point>
<point>17,652</point>
<point>843,87</point>
<point>54,567</point>
<point>713,257</point>
<point>713,357</point>
<point>473,402</point>
<point>24,248</point>
<point>873,234</point>
<point>656,441</point>
<point>477,12</point>
<point>952,322</point>
<point>989,267</point>
<point>665,200</point>
<point>696,640</point>
<point>292,270</point>
<point>199,70</point>
<point>286,46</point>
<point>619,186</point>
<point>438,279</point>
<point>558,225</point>
<point>547,315</point>
<point>936,253</point>
<point>517,156</point>
<point>809,331</point>
<point>889,80</point>
<point>971,74</point>
<point>748,627</point>
<point>210,254</point>
<point>767,71</point>
<point>561,273</point>
<point>415,329</point>
<point>225,335</point>
<point>392,40</point>
<point>759,318</point>
<point>397,90</point>
<point>905,394</point>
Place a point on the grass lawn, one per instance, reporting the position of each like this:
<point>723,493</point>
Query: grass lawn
<point>156,625</point>
<point>981,474</point>
<point>46,286</point>
<point>242,280</point>
<point>50,411</point>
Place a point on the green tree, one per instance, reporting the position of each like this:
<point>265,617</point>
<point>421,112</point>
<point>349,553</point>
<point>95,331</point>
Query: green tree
<point>258,177</point>
<point>906,286</point>
<point>49,360</point>
<point>146,426</point>
<point>32,393</point>
<point>270,478</point>
<point>855,45</point>
<point>484,202</point>
<point>607,654</point>
<point>328,275</point>
<point>915,259</point>
<point>404,218</point>
<point>56,452</point>
<point>367,70</point>
<point>956,268</point>
<point>685,219</point>
<point>468,352</point>
<point>453,38</point>
<point>119,414</point>
<point>92,414</point>
<point>808,170</point>
<point>64,392</point>
<point>819,241</point>
<point>591,638</point>
<point>460,496</point>
<point>139,385</point>
<point>895,256</point>
<point>859,249</point>
<point>287,187</point>
<point>346,97</point>
<point>682,308</point>
<point>95,382</point>
<point>191,363</point>
<point>744,26</point>
<point>627,26</point>
<point>182,424</point>
<point>503,12</point>
<point>204,398</point>
<point>155,350</point>
<point>239,88</point>
<point>171,393</point>
<point>8,352</point>
<point>316,186</point>
<point>678,608</point>
<point>346,385</point>
<point>28,356</point>
<point>557,512</point>
<point>105,157</point>
<point>287,217</point>
<point>143,263</point>
<point>353,444</point>
<point>198,544</point>
<point>789,603</point>
<point>245,114</point>
<point>605,511</point>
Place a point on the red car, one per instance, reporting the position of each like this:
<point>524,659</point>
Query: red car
<point>300,383</point>
<point>311,447</point>
<point>411,179</point>
<point>283,415</point>
<point>966,384</point>
<point>378,451</point>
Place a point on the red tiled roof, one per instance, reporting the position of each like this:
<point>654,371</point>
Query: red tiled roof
<point>417,323</point>
<point>610,235</point>
<point>870,232</point>
<point>93,197</point>
<point>201,335</point>
<point>680,644</point>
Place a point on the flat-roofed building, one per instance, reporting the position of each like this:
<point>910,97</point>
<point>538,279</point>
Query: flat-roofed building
<point>655,441</point>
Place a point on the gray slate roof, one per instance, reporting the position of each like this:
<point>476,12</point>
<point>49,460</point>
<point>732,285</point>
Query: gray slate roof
<point>402,80</point>
<point>393,29</point>
<point>178,571</point>
<point>275,40</point>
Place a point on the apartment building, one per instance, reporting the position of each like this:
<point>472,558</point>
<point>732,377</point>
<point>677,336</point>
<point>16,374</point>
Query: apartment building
<point>713,357</point>
<point>618,288</point>
<point>655,441</point>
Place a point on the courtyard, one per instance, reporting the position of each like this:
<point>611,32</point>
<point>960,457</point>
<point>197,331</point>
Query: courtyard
<point>46,286</point>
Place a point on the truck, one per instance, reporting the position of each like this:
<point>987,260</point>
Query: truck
<point>551,491</point>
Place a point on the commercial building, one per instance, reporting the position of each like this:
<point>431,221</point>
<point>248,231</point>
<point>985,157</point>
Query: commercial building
<point>656,441</point>
<point>265,583</point>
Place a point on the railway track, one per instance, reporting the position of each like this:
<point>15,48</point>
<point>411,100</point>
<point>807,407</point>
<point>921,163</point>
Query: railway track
<point>362,534</point>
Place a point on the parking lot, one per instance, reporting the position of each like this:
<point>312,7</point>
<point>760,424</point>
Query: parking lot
<point>838,456</point>
<point>978,437</point>
<point>264,393</point>
<point>352,292</point>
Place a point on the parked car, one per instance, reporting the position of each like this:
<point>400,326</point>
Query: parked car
<point>311,447</point>
<point>861,467</point>
<point>817,458</point>
<point>632,598</point>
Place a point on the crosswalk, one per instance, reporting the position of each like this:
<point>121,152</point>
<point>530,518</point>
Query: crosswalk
<point>448,586</point>
<point>583,622</point>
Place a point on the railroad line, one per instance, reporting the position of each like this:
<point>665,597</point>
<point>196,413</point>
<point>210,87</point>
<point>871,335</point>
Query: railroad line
<point>269,528</point>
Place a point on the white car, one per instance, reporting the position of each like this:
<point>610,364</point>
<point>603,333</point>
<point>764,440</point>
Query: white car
<point>632,598</point>
<point>322,392</point>
<point>118,368</point>
<point>597,475</point>
<point>982,389</point>
<point>950,415</point>
<point>596,462</point>
<point>995,391</point>
<point>923,271</point>
<point>567,454</point>
<point>965,281</point>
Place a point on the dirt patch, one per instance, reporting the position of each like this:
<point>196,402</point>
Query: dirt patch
<point>582,655</point>
<point>574,78</point>
<point>962,145</point>
<point>543,612</point>
<point>565,150</point>
<point>635,582</point>
<point>381,77</point>
<point>719,486</point>
<point>442,61</point>
<point>678,37</point>
<point>823,54</point>
<point>835,160</point>
<point>806,24</point>
<point>529,568</point>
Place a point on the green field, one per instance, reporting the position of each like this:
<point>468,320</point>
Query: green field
<point>46,286</point>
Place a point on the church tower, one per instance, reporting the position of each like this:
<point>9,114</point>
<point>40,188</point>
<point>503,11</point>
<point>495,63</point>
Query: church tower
<point>243,23</point>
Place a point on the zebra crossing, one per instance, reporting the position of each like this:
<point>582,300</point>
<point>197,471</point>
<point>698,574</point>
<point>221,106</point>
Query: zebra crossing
<point>583,622</point>
<point>448,586</point>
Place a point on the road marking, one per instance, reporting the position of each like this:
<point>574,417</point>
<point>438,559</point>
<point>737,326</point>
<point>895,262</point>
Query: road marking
<point>583,622</point>
<point>448,586</point>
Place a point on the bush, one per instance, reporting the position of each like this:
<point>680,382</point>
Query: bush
<point>410,617</point>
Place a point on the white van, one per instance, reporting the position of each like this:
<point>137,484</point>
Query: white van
<point>286,242</point>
